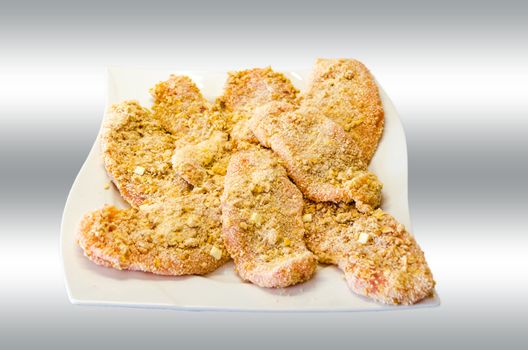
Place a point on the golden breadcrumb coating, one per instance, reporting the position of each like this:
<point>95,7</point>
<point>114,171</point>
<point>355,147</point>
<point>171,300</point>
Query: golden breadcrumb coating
<point>262,224</point>
<point>137,155</point>
<point>248,89</point>
<point>206,162</point>
<point>345,91</point>
<point>138,146</point>
<point>178,237</point>
<point>202,188</point>
<point>380,259</point>
<point>183,111</point>
<point>320,157</point>
<point>326,224</point>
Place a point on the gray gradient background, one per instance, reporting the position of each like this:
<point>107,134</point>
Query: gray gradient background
<point>457,72</point>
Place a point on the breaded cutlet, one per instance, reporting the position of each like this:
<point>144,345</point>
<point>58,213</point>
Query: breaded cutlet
<point>180,236</point>
<point>262,224</point>
<point>137,153</point>
<point>379,257</point>
<point>345,91</point>
<point>248,89</point>
<point>183,111</point>
<point>320,157</point>
<point>138,146</point>
<point>205,163</point>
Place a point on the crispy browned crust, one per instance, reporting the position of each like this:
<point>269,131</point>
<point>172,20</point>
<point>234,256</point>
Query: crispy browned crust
<point>345,91</point>
<point>385,264</point>
<point>179,237</point>
<point>131,137</point>
<point>248,89</point>
<point>323,161</point>
<point>262,225</point>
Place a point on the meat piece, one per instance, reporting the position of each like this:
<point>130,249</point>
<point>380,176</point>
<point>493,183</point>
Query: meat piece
<point>323,161</point>
<point>204,163</point>
<point>178,237</point>
<point>380,259</point>
<point>262,224</point>
<point>248,89</point>
<point>137,155</point>
<point>181,108</point>
<point>345,91</point>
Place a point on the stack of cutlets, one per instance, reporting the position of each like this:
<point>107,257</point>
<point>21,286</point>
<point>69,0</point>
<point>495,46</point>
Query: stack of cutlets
<point>275,179</point>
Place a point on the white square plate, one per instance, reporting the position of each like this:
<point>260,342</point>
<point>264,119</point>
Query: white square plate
<point>88,283</point>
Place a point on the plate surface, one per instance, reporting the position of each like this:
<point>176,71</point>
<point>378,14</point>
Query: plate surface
<point>88,283</point>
